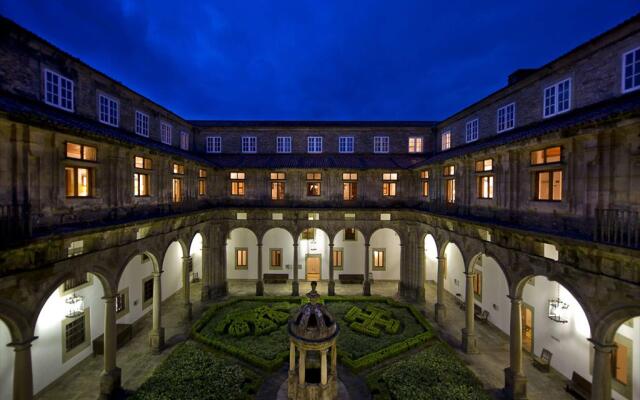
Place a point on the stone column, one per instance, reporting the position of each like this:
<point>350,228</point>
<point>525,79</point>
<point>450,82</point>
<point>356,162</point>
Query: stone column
<point>111,375</point>
<point>292,356</point>
<point>295,285</point>
<point>440,309</point>
<point>302,366</point>
<point>224,284</point>
<point>468,333</point>
<point>22,370</point>
<point>323,366</point>
<point>207,273</point>
<point>366,287</point>
<point>515,383</point>
<point>187,263</point>
<point>332,282</point>
<point>260,282</point>
<point>334,360</point>
<point>420,275</point>
<point>601,383</point>
<point>156,336</point>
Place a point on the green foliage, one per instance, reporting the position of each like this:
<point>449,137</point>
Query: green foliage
<point>433,374</point>
<point>268,348</point>
<point>191,372</point>
<point>369,322</point>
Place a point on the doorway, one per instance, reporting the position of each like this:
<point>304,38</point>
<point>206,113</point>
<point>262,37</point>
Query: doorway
<point>527,328</point>
<point>312,266</point>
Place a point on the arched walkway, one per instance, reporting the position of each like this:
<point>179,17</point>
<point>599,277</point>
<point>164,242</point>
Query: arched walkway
<point>242,261</point>
<point>195,252</point>
<point>6,362</point>
<point>385,255</point>
<point>349,259</point>
<point>277,258</point>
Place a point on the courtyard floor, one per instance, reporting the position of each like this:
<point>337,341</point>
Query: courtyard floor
<point>137,362</point>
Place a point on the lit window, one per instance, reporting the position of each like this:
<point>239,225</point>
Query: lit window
<point>345,144</point>
<point>471,130</point>
<point>277,185</point>
<point>485,187</point>
<point>378,259</point>
<point>349,185</point>
<point>177,190</point>
<point>237,183</point>
<point>184,140</point>
<point>81,152</point>
<point>415,145</point>
<point>549,155</point>
<point>631,70</point>
<point>276,258</point>
<point>142,162</point>
<point>58,90</point>
<point>557,98</point>
<point>108,110</point>
<point>449,170</point>
<point>214,144</point>
<point>165,133</point>
<point>389,184</point>
<point>249,144</point>
<point>477,285</point>
<point>446,140</point>
<point>283,144</point>
<point>140,184</point>
<point>202,182</point>
<point>450,190</point>
<point>79,181</point>
<point>507,117</point>
<point>338,258</point>
<point>549,185</point>
<point>381,144</point>
<point>178,169</point>
<point>242,258</point>
<point>314,144</point>
<point>142,124</point>
<point>313,183</point>
<point>424,175</point>
<point>484,165</point>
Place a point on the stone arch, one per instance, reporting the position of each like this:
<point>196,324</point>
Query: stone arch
<point>318,246</point>
<point>606,327</point>
<point>13,316</point>
<point>393,253</point>
<point>334,235</point>
<point>204,235</point>
<point>263,234</point>
<point>494,281</point>
<point>171,267</point>
<point>241,237</point>
<point>135,253</point>
<point>175,238</point>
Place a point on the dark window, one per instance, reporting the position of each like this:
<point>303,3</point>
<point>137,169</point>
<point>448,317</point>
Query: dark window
<point>74,282</point>
<point>121,301</point>
<point>148,290</point>
<point>350,234</point>
<point>74,333</point>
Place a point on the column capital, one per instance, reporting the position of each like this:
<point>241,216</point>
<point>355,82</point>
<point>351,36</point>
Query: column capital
<point>331,243</point>
<point>367,244</point>
<point>109,298</point>
<point>602,347</point>
<point>187,258</point>
<point>18,346</point>
<point>440,259</point>
<point>259,244</point>
<point>470,274</point>
<point>514,299</point>
<point>157,274</point>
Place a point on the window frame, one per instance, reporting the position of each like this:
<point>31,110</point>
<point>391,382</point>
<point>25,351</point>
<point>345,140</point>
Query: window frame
<point>237,187</point>
<point>249,144</point>
<point>184,140</point>
<point>381,144</point>
<point>505,123</point>
<point>59,92</point>
<point>166,133</point>
<point>424,178</point>
<point>338,266</point>
<point>284,144</point>
<point>551,172</point>
<point>556,98</point>
<point>213,147</point>
<point>472,130</point>
<point>142,124</point>
<point>277,251</point>
<point>137,177</point>
<point>636,51</point>
<point>314,178</point>
<point>375,266</point>
<point>110,101</point>
<point>68,354</point>
<point>90,182</point>
<point>314,144</point>
<point>445,144</point>
<point>418,145</point>
<point>346,144</point>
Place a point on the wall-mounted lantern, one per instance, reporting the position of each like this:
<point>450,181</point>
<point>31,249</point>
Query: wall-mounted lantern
<point>75,306</point>
<point>557,311</point>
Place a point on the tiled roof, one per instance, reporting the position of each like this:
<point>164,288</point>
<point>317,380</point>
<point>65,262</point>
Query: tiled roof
<point>39,114</point>
<point>593,113</point>
<point>354,161</point>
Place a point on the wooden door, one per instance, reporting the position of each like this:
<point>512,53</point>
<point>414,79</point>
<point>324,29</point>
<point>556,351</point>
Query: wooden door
<point>527,328</point>
<point>313,267</point>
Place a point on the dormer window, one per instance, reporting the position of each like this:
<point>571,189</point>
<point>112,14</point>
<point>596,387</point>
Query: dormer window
<point>314,144</point>
<point>108,110</point>
<point>165,133</point>
<point>184,140</point>
<point>472,129</point>
<point>381,144</point>
<point>249,144</point>
<point>557,98</point>
<point>58,90</point>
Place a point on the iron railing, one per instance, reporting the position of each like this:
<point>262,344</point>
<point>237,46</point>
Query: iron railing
<point>617,227</point>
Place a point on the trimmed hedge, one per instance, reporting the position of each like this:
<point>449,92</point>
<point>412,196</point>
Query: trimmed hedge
<point>433,374</point>
<point>193,373</point>
<point>270,351</point>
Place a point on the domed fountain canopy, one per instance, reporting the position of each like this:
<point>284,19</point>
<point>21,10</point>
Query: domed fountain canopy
<point>313,323</point>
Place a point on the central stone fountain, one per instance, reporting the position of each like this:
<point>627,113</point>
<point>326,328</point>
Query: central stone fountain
<point>312,334</point>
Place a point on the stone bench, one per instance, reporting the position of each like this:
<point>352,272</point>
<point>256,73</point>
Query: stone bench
<point>543,362</point>
<point>351,278</point>
<point>579,387</point>
<point>275,278</point>
<point>124,334</point>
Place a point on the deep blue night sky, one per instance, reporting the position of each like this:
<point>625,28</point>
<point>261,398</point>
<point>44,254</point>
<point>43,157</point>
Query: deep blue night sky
<point>316,60</point>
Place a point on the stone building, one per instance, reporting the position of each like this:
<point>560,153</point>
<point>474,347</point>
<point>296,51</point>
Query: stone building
<point>526,199</point>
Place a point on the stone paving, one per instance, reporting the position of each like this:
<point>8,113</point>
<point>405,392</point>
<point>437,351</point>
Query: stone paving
<point>137,362</point>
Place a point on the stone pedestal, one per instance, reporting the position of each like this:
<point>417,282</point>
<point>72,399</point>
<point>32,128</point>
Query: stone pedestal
<point>366,288</point>
<point>260,288</point>
<point>332,288</point>
<point>110,383</point>
<point>469,344</point>
<point>515,385</point>
<point>441,313</point>
<point>156,340</point>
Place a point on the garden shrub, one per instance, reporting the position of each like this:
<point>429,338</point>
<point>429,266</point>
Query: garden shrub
<point>191,372</point>
<point>433,374</point>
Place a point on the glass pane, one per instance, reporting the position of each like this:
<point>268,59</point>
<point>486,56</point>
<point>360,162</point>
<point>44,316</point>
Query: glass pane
<point>553,154</point>
<point>83,182</point>
<point>74,151</point>
<point>543,186</point>
<point>557,185</point>
<point>537,157</point>
<point>139,162</point>
<point>70,179</point>
<point>89,153</point>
